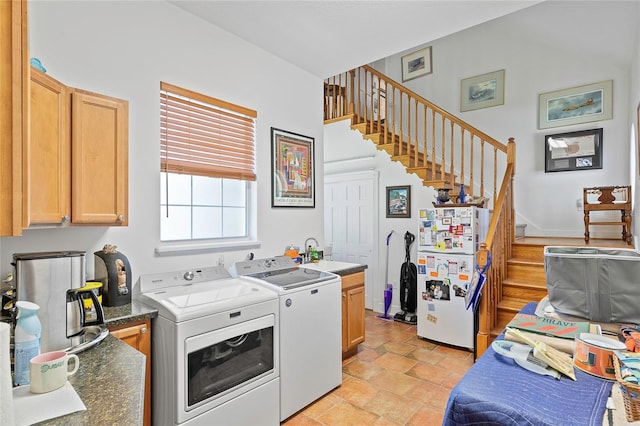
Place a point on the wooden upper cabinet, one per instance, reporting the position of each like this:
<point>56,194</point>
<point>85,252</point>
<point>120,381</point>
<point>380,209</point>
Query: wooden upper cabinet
<point>47,153</point>
<point>14,81</point>
<point>100,159</point>
<point>76,157</point>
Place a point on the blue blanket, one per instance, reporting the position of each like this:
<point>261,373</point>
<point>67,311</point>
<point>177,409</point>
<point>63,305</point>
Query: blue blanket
<point>497,391</point>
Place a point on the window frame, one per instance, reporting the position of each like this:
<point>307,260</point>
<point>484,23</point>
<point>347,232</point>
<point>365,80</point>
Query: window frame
<point>176,246</point>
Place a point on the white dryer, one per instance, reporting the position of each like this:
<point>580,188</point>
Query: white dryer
<point>310,328</point>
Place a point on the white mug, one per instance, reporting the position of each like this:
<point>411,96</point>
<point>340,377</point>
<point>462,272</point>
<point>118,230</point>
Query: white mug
<point>49,371</point>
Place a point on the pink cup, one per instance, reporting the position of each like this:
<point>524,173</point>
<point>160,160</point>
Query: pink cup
<point>49,371</point>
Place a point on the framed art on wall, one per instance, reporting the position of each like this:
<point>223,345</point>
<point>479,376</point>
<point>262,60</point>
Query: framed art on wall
<point>482,91</point>
<point>582,104</point>
<point>416,64</point>
<point>292,169</point>
<point>399,201</point>
<point>573,151</point>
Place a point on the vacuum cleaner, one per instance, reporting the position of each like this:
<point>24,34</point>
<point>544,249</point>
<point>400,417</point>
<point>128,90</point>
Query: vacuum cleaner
<point>408,285</point>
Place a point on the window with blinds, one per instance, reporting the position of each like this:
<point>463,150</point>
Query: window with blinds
<point>204,136</point>
<point>207,162</point>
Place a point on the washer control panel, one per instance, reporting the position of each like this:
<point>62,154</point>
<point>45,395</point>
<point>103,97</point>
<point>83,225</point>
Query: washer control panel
<point>256,266</point>
<point>155,282</point>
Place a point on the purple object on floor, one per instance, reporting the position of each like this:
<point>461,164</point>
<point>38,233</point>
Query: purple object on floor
<point>388,295</point>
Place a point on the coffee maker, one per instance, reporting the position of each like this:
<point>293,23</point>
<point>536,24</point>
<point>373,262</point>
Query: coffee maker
<point>56,282</point>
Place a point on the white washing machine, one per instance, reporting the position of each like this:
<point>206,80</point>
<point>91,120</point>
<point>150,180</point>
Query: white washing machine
<point>310,328</point>
<point>216,356</point>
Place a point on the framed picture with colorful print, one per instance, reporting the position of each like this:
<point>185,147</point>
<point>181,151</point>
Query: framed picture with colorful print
<point>399,201</point>
<point>292,169</point>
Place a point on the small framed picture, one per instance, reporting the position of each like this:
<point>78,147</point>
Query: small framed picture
<point>399,201</point>
<point>482,91</point>
<point>573,151</point>
<point>416,64</point>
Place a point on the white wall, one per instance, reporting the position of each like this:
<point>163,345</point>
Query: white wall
<point>545,202</point>
<point>124,49</point>
<point>343,143</point>
<point>634,122</point>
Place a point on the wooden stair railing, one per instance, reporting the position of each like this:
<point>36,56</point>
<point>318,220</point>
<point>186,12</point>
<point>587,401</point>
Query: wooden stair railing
<point>499,240</point>
<point>442,150</point>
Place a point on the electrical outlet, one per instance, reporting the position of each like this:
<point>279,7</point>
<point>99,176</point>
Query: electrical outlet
<point>579,204</point>
<point>221,260</point>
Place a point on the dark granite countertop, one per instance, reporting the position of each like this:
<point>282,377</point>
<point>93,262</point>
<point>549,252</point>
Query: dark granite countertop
<point>131,312</point>
<point>110,379</point>
<point>110,382</point>
<point>336,267</point>
<point>349,271</point>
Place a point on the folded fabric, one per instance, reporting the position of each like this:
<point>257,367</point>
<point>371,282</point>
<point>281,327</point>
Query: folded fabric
<point>494,391</point>
<point>564,345</point>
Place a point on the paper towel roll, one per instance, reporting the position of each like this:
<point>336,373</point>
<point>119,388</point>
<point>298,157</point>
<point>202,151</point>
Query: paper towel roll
<point>6,389</point>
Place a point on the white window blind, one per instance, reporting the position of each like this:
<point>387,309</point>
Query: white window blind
<point>204,136</point>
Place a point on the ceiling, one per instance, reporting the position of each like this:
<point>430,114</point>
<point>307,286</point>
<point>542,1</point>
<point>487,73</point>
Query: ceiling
<point>328,37</point>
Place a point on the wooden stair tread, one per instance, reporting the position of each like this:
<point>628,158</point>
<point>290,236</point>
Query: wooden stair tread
<point>525,261</point>
<point>523,283</point>
<point>513,304</point>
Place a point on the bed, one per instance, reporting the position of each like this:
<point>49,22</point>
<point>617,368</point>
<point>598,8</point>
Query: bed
<point>497,391</point>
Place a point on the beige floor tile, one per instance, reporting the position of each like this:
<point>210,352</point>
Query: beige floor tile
<point>366,354</point>
<point>363,369</point>
<point>395,362</point>
<point>429,394</point>
<point>426,355</point>
<point>392,407</point>
<point>302,420</point>
<point>394,382</point>
<point>357,392</point>
<point>347,414</point>
<point>322,405</point>
<point>396,378</point>
<point>398,348</point>
<point>426,416</point>
<point>430,373</point>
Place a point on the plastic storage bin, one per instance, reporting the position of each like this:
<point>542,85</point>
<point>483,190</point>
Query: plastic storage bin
<point>602,285</point>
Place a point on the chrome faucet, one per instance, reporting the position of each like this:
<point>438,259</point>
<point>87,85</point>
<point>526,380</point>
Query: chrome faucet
<point>306,247</point>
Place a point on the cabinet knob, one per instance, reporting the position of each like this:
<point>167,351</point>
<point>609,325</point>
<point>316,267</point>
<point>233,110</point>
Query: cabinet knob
<point>120,218</point>
<point>143,330</point>
<point>65,218</point>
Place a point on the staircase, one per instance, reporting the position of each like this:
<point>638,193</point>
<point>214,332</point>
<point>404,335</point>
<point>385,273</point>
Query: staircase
<point>525,281</point>
<point>444,152</point>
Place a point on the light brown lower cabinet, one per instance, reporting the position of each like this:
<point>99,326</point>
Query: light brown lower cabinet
<point>352,313</point>
<point>138,336</point>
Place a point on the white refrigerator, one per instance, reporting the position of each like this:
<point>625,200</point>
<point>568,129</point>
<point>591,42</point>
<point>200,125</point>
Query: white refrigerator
<point>448,239</point>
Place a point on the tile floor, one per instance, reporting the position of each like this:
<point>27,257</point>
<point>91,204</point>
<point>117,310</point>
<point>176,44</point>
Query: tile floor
<point>396,378</point>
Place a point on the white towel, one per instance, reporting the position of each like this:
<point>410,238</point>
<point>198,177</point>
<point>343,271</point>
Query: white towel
<point>6,391</point>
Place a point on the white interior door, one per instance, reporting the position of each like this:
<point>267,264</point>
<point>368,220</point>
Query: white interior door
<point>351,222</point>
